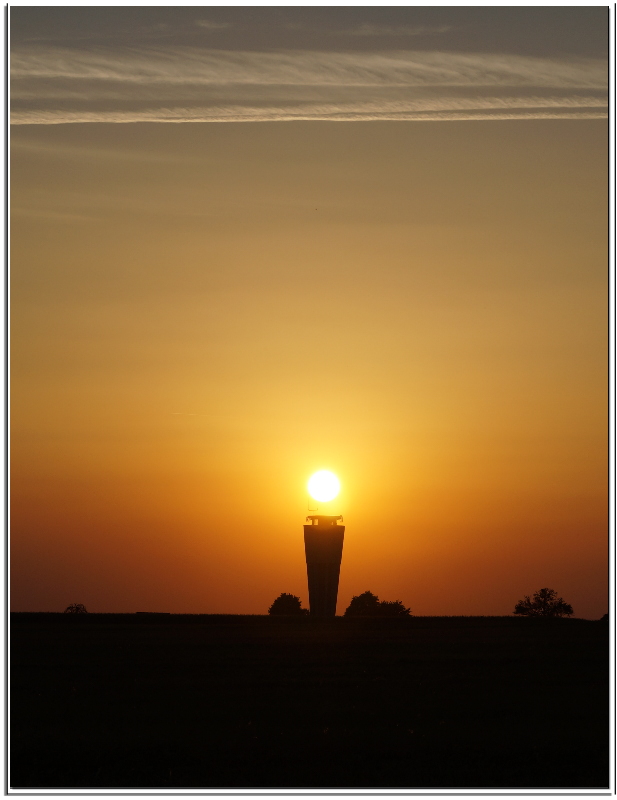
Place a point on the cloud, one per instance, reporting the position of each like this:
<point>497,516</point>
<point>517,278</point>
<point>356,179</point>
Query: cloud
<point>54,85</point>
<point>204,66</point>
<point>372,29</point>
<point>213,26</point>
<point>447,108</point>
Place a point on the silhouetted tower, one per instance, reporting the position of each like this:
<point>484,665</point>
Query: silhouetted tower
<point>323,545</point>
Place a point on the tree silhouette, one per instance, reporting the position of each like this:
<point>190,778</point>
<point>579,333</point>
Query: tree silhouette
<point>545,603</point>
<point>76,608</point>
<point>368,604</point>
<point>287,604</point>
<point>392,608</point>
<point>363,605</point>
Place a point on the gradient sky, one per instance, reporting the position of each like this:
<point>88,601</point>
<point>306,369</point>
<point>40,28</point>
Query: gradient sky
<point>250,243</point>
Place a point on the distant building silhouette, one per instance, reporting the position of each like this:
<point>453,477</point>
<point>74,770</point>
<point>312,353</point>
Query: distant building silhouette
<point>323,545</point>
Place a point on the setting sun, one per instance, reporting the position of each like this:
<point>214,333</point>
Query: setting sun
<point>323,486</point>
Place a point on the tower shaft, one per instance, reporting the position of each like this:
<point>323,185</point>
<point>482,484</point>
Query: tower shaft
<point>323,545</point>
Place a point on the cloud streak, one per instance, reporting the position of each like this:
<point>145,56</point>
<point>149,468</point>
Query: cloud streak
<point>445,108</point>
<point>372,29</point>
<point>212,26</point>
<point>56,85</point>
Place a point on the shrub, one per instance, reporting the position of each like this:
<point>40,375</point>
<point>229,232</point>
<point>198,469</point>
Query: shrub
<point>287,604</point>
<point>363,605</point>
<point>76,608</point>
<point>393,608</point>
<point>368,604</point>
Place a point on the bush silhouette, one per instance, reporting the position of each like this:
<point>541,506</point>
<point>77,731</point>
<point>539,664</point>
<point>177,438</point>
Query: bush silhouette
<point>545,603</point>
<point>393,608</point>
<point>76,608</point>
<point>368,604</point>
<point>287,604</point>
<point>363,605</point>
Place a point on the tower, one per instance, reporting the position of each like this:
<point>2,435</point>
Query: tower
<point>323,545</point>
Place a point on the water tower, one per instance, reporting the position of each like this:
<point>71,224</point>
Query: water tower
<point>323,545</point>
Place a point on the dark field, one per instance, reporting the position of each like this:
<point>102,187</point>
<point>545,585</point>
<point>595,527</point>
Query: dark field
<point>112,700</point>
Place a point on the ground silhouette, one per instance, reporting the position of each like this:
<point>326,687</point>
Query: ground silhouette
<point>223,701</point>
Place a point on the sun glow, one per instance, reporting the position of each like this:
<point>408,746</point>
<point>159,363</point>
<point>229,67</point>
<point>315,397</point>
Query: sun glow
<point>323,486</point>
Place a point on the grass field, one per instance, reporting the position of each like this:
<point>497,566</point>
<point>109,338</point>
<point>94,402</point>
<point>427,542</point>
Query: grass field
<point>179,701</point>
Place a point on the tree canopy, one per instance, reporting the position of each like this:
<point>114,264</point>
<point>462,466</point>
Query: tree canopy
<point>368,604</point>
<point>287,604</point>
<point>363,605</point>
<point>76,608</point>
<point>393,608</point>
<point>544,603</point>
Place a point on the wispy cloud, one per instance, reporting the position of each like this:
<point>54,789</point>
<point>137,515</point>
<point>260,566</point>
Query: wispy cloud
<point>55,85</point>
<point>195,65</point>
<point>212,26</point>
<point>372,29</point>
<point>442,108</point>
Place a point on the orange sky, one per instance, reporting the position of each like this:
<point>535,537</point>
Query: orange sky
<point>203,314</point>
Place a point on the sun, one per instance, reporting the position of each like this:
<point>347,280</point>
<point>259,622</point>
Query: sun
<point>323,486</point>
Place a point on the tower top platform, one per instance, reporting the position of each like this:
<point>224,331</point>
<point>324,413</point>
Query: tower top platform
<point>323,520</point>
